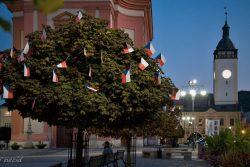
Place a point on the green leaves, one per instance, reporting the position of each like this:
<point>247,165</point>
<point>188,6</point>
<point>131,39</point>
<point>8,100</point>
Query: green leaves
<point>115,106</point>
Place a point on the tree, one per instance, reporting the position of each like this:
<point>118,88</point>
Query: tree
<point>95,60</point>
<point>166,125</point>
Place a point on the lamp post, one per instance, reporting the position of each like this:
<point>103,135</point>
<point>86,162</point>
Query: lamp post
<point>193,89</point>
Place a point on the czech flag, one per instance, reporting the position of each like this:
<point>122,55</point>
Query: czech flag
<point>26,48</point>
<point>150,50</point>
<point>13,52</point>
<point>7,92</point>
<point>90,71</point>
<point>79,16</point>
<point>91,88</point>
<point>55,77</point>
<point>26,70</point>
<point>62,65</point>
<point>161,59</point>
<point>157,78</point>
<point>176,95</point>
<point>21,57</point>
<point>143,64</point>
<point>127,48</point>
<point>126,76</point>
<point>44,35</point>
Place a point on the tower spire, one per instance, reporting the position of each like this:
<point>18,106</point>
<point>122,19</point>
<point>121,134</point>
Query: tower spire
<point>225,8</point>
<point>225,27</point>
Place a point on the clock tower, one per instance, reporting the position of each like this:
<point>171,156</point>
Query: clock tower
<point>225,70</point>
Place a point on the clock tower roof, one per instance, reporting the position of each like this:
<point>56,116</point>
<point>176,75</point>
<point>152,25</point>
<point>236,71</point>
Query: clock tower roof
<point>225,43</point>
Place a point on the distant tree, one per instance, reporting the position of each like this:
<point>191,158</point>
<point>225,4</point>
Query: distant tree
<point>95,61</point>
<point>166,125</point>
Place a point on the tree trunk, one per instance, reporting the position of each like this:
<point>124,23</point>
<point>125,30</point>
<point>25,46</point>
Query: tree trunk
<point>128,150</point>
<point>79,147</point>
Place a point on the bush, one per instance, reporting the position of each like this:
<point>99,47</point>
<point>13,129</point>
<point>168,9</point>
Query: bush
<point>15,146</point>
<point>228,148</point>
<point>41,145</point>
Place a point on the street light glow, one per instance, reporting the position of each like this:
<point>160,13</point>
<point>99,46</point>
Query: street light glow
<point>183,93</point>
<point>203,92</point>
<point>192,92</point>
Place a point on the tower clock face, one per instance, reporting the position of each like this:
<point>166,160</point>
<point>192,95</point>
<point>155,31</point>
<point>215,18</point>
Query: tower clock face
<point>226,74</point>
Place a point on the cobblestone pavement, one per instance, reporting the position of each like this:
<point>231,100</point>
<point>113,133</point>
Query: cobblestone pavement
<point>48,157</point>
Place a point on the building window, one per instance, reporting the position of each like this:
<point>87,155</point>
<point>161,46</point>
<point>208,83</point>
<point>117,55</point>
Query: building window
<point>97,13</point>
<point>221,122</point>
<point>200,122</point>
<point>226,93</point>
<point>231,122</point>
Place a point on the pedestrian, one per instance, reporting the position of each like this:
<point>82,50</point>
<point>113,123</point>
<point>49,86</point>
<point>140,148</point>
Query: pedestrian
<point>107,150</point>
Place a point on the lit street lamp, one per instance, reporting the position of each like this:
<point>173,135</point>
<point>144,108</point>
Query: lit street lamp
<point>193,89</point>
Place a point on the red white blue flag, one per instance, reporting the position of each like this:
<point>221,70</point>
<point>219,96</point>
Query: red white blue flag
<point>143,64</point>
<point>150,50</point>
<point>62,65</point>
<point>161,59</point>
<point>176,95</point>
<point>7,92</point>
<point>55,77</point>
<point>126,76</point>
<point>79,16</point>
<point>21,57</point>
<point>26,48</point>
<point>157,78</point>
<point>91,88</point>
<point>127,48</point>
<point>26,70</point>
<point>44,35</point>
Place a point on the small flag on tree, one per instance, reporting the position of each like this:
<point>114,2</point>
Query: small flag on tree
<point>7,92</point>
<point>33,103</point>
<point>161,59</point>
<point>91,88</point>
<point>90,71</point>
<point>21,57</point>
<point>127,48</point>
<point>44,35</point>
<point>55,77</point>
<point>26,70</point>
<point>84,52</point>
<point>79,16</point>
<point>150,50</point>
<point>172,109</point>
<point>11,53</point>
<point>126,76</point>
<point>176,95</point>
<point>26,48</point>
<point>157,78</point>
<point>62,65</point>
<point>143,64</point>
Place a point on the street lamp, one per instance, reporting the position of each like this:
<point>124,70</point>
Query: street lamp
<point>194,88</point>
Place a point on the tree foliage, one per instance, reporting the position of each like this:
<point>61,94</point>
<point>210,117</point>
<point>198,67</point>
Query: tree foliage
<point>228,148</point>
<point>115,107</point>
